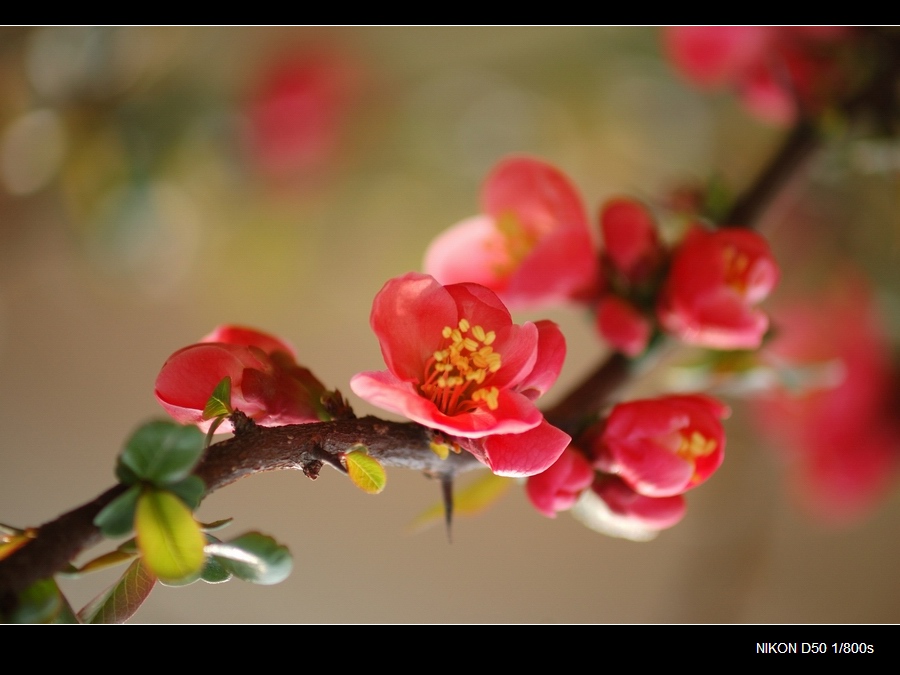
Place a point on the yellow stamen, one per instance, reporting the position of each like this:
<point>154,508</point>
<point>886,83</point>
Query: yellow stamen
<point>454,374</point>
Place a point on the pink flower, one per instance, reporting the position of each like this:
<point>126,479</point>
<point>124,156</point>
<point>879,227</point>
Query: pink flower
<point>774,69</point>
<point>832,417</point>
<point>458,364</point>
<point>622,325</point>
<point>266,382</point>
<point>715,281</point>
<point>558,487</point>
<point>532,245</point>
<point>630,240</point>
<point>664,446</point>
<point>297,112</point>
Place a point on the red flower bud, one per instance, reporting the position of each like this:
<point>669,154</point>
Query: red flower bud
<point>715,281</point>
<point>558,488</point>
<point>266,383</point>
<point>663,446</point>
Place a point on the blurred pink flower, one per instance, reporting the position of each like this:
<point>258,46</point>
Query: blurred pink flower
<point>632,260</point>
<point>630,240</point>
<point>663,446</point>
<point>297,111</point>
<point>266,382</point>
<point>457,363</point>
<point>622,325</point>
<point>833,417</point>
<point>779,72</point>
<point>715,281</point>
<point>532,244</point>
<point>558,487</point>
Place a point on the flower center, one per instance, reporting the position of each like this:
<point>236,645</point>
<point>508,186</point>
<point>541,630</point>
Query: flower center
<point>737,265</point>
<point>518,242</point>
<point>456,373</point>
<point>695,445</point>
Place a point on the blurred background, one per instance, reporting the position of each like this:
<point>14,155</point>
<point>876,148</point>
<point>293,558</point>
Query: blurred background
<point>158,181</point>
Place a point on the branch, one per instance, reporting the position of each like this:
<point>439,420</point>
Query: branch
<point>253,449</point>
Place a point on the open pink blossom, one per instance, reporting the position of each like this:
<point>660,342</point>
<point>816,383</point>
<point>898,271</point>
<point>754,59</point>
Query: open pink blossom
<point>457,363</point>
<point>558,488</point>
<point>532,244</point>
<point>663,446</point>
<point>266,382</point>
<point>715,281</point>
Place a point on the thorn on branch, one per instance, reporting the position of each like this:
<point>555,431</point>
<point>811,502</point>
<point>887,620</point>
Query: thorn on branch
<point>337,406</point>
<point>242,424</point>
<point>447,492</point>
<point>312,468</point>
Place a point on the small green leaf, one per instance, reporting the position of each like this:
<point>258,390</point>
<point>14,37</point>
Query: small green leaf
<point>120,601</point>
<point>162,452</point>
<point>216,525</point>
<point>470,501</point>
<point>125,475</point>
<point>39,603</point>
<point>169,538</point>
<point>214,572</point>
<point>254,557</point>
<point>365,472</point>
<point>191,490</point>
<point>117,518</point>
<point>65,615</point>
<point>102,562</point>
<point>219,404</point>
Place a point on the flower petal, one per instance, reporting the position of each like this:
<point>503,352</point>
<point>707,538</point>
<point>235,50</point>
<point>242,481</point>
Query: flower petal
<point>525,454</point>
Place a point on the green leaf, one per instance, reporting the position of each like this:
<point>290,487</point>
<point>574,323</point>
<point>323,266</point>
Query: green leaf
<point>254,557</point>
<point>39,603</point>
<point>365,472</point>
<point>214,572</point>
<point>219,404</point>
<point>65,615</point>
<point>102,562</point>
<point>169,538</point>
<point>191,490</point>
<point>120,601</point>
<point>216,525</point>
<point>470,501</point>
<point>163,452</point>
<point>117,518</point>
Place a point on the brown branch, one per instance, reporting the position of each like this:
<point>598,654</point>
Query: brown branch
<point>253,449</point>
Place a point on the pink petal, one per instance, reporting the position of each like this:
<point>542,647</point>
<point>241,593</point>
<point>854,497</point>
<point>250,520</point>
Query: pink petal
<point>622,325</point>
<point>539,194</point>
<point>524,454</point>
<point>551,353</point>
<point>473,250</point>
<point>408,315</point>
<point>562,267</point>
<point>514,413</point>
<point>240,335</point>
